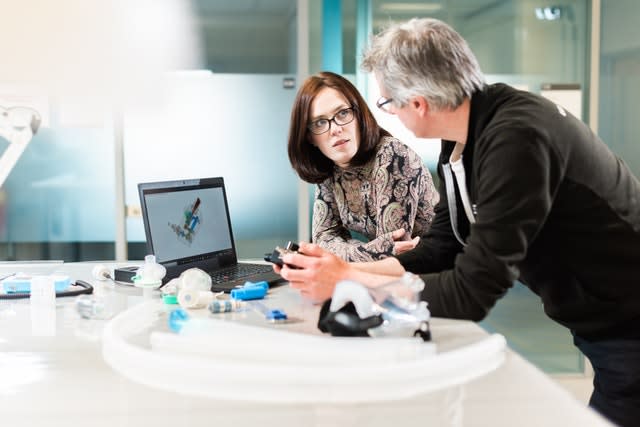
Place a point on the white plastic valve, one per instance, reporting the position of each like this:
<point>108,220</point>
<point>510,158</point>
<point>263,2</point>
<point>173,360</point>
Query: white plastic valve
<point>151,273</point>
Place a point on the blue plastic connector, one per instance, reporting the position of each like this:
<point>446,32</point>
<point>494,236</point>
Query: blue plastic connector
<point>248,293</point>
<point>261,284</point>
<point>177,319</point>
<point>276,315</point>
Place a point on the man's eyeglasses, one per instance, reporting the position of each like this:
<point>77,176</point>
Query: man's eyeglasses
<point>341,118</point>
<point>384,104</point>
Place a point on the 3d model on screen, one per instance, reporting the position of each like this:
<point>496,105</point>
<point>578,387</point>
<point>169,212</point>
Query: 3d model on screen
<point>187,230</point>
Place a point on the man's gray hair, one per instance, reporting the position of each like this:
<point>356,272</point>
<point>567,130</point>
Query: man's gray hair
<point>424,57</point>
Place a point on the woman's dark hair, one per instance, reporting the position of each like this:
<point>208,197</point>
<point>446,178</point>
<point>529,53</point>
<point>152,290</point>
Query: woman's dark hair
<point>308,161</point>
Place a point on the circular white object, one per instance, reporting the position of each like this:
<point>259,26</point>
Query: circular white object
<point>195,279</point>
<point>288,378</point>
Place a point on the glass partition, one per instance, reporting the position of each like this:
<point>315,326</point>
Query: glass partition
<point>229,120</point>
<point>618,123</point>
<point>520,42</point>
<point>229,125</point>
<point>57,202</point>
<point>247,36</point>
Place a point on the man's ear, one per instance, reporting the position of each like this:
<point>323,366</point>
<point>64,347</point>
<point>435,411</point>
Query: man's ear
<point>420,105</point>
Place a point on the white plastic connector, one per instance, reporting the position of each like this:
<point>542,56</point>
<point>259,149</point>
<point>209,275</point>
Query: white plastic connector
<point>101,272</point>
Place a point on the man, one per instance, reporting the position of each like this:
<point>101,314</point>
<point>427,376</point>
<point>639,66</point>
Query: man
<point>532,194</point>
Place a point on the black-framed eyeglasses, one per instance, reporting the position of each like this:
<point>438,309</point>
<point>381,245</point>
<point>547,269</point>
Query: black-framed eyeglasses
<point>384,104</point>
<point>341,118</point>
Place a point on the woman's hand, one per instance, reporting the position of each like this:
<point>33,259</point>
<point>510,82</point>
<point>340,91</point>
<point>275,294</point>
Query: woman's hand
<point>403,241</point>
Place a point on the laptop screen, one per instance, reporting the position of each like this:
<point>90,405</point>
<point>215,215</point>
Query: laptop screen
<point>187,222</point>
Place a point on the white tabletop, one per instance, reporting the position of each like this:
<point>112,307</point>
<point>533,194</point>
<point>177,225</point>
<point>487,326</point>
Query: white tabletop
<point>56,376</point>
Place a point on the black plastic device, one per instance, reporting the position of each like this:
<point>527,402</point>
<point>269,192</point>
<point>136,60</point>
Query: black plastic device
<point>276,256</point>
<point>124,274</point>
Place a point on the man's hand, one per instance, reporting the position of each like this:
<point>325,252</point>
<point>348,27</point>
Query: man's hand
<point>316,271</point>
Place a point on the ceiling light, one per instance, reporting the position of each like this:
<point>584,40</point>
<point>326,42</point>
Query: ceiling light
<point>548,13</point>
<point>410,7</point>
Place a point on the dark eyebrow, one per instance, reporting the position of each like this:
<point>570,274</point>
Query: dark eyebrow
<point>340,108</point>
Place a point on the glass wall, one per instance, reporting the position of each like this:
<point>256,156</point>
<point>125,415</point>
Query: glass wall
<point>229,125</point>
<point>59,202</point>
<point>247,36</point>
<point>618,123</point>
<point>58,199</point>
<point>522,42</point>
<point>230,119</point>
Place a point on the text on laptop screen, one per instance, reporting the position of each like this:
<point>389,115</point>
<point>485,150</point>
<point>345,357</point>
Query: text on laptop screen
<point>188,223</point>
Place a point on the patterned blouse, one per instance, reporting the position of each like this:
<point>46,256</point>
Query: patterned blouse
<point>394,190</point>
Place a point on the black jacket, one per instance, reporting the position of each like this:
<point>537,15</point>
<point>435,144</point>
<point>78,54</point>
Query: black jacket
<point>555,209</point>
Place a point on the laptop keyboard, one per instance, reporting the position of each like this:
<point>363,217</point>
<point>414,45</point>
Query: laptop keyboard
<point>238,271</point>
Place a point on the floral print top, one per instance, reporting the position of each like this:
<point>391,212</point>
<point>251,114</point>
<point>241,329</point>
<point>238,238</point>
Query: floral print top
<point>394,190</point>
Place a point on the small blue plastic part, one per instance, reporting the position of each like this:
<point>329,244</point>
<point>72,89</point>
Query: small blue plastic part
<point>250,290</point>
<point>275,315</point>
<point>22,284</point>
<point>177,319</point>
<point>261,284</point>
<point>253,292</point>
<point>272,315</point>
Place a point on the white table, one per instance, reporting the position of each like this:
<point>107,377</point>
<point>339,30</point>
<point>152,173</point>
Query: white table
<point>58,377</point>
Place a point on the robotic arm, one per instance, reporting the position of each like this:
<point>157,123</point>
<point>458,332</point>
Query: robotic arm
<point>18,125</point>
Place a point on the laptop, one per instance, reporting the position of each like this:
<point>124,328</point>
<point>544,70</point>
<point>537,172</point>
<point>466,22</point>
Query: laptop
<point>187,225</point>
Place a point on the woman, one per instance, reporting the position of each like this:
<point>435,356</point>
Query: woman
<point>369,183</point>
